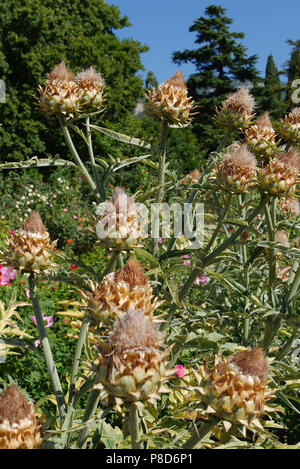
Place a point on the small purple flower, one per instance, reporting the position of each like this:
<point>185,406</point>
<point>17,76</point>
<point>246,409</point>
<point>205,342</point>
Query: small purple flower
<point>7,274</point>
<point>47,319</point>
<point>37,343</point>
<point>160,240</point>
<point>27,293</point>
<point>202,279</point>
<point>179,371</point>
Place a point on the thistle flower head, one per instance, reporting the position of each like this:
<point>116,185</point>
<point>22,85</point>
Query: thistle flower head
<point>260,138</point>
<point>282,238</point>
<point>29,247</point>
<point>192,177</point>
<point>19,428</point>
<point>279,177</point>
<point>237,172</point>
<point>91,85</point>
<point>170,102</point>
<point>118,225</point>
<point>60,73</point>
<point>290,205</point>
<point>132,366</point>
<point>60,95</point>
<point>289,128</point>
<point>125,290</point>
<point>236,111</point>
<point>236,389</point>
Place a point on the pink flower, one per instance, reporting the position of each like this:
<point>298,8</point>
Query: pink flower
<point>54,196</point>
<point>37,343</point>
<point>27,293</point>
<point>179,371</point>
<point>202,279</point>
<point>185,256</point>
<point>160,240</point>
<point>65,209</point>
<point>7,274</point>
<point>259,216</point>
<point>75,217</point>
<point>47,319</point>
<point>11,233</point>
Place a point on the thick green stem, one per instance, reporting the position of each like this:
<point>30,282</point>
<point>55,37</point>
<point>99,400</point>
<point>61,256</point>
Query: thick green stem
<point>198,435</point>
<point>161,180</point>
<point>134,427</point>
<point>92,158</point>
<point>77,158</point>
<point>47,349</point>
<point>89,412</point>
<point>76,361</point>
<point>110,265</point>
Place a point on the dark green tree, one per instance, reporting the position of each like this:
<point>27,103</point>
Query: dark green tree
<point>221,65</point>
<point>35,35</point>
<point>269,96</point>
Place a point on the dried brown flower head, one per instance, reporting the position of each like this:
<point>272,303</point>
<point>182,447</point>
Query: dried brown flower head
<point>170,102</point>
<point>289,128</point>
<point>282,238</point>
<point>60,94</point>
<point>60,73</point>
<point>192,177</point>
<point>236,112</point>
<point>280,176</point>
<point>29,249</point>
<point>125,290</point>
<point>132,367</point>
<point>131,273</point>
<point>118,225</point>
<point>236,389</point>
<point>91,84</point>
<point>260,138</point>
<point>237,171</point>
<point>19,427</point>
<point>290,205</point>
<point>251,362</point>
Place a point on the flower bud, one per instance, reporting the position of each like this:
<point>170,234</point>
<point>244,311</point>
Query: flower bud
<point>260,138</point>
<point>131,364</point>
<point>28,248</point>
<point>236,173</point>
<point>236,389</point>
<point>91,85</point>
<point>288,128</point>
<point>118,225</point>
<point>60,94</point>
<point>125,290</point>
<point>170,102</point>
<point>19,426</point>
<point>236,112</point>
<point>279,177</point>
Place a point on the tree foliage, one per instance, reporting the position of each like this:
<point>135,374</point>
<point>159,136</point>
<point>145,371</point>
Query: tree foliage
<point>221,64</point>
<point>35,35</point>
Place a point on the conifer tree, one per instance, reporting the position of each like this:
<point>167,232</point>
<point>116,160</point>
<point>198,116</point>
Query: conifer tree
<point>221,64</point>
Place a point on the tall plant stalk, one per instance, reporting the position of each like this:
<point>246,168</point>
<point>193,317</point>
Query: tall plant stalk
<point>46,348</point>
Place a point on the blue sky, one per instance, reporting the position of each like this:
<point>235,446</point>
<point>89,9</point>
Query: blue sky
<point>163,25</point>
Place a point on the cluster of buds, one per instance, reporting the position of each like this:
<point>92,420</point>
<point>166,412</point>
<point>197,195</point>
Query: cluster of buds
<point>236,112</point>
<point>280,176</point>
<point>132,366</point>
<point>170,102</point>
<point>19,426</point>
<point>29,248</point>
<point>125,290</point>
<point>236,389</point>
<point>236,173</point>
<point>118,226</point>
<point>260,138</point>
<point>289,128</point>
<point>68,95</point>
